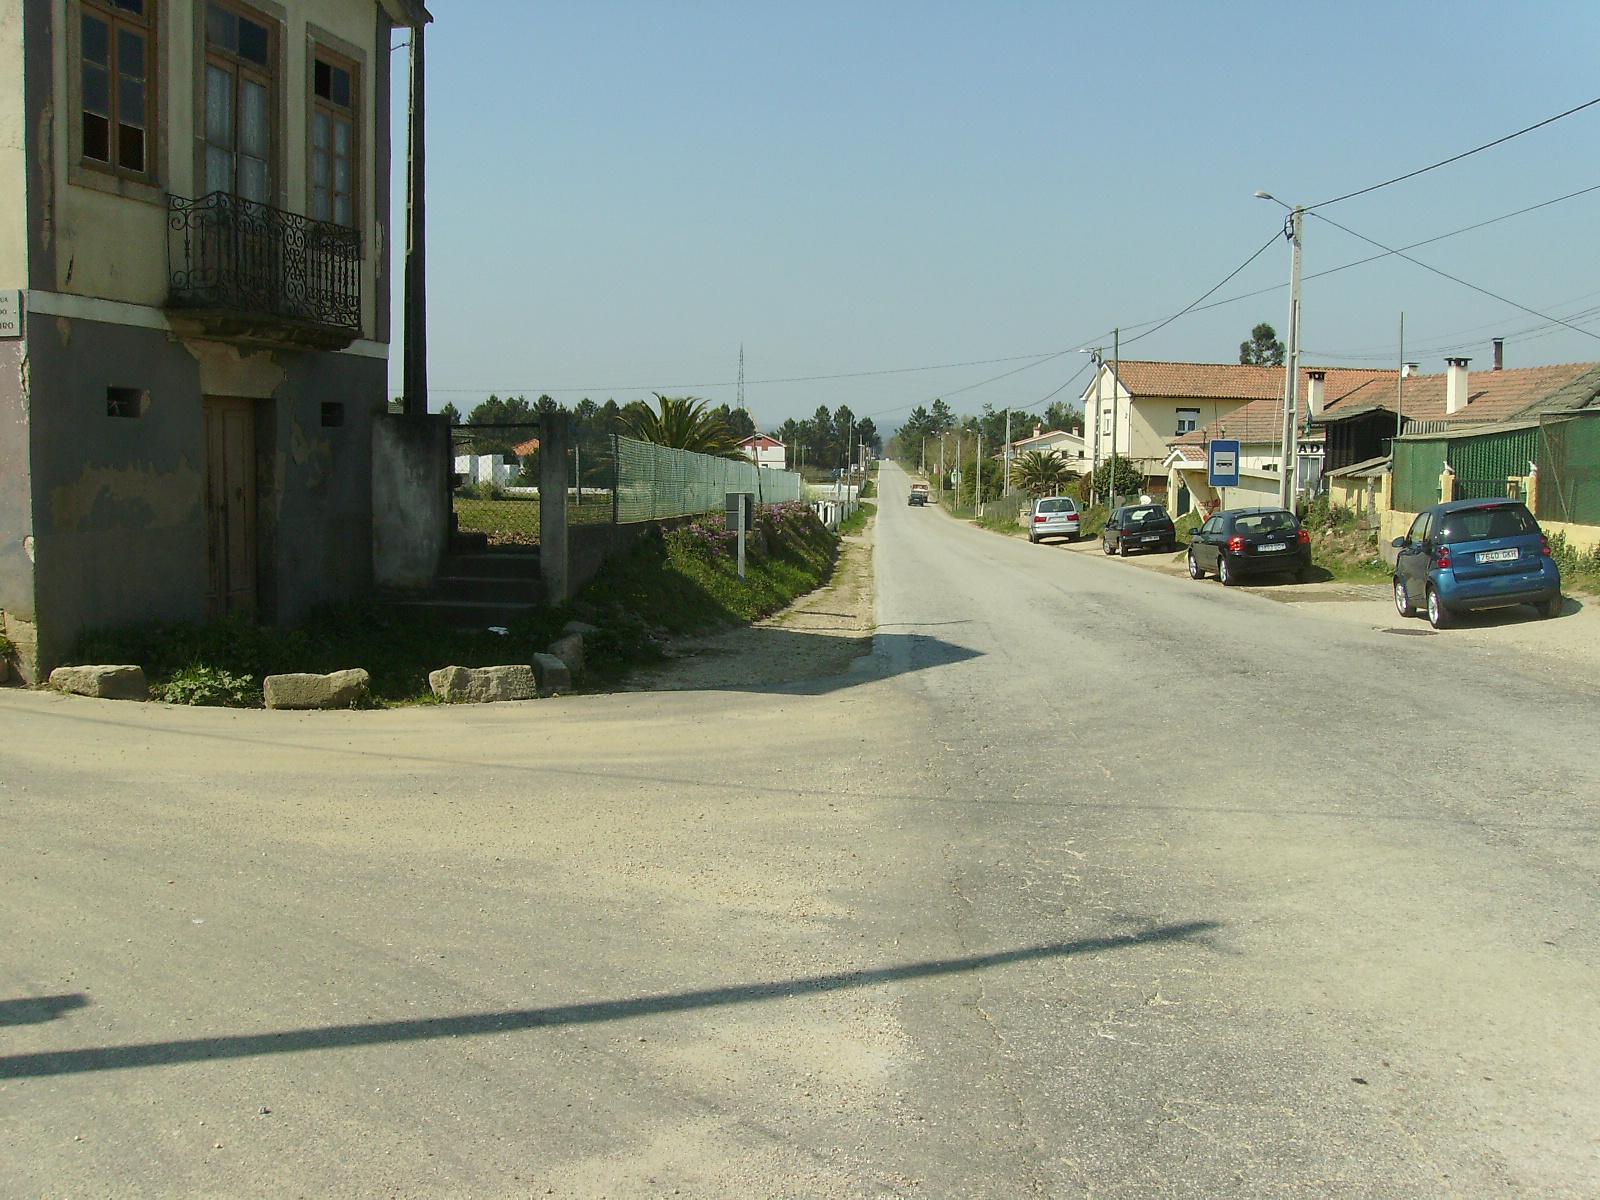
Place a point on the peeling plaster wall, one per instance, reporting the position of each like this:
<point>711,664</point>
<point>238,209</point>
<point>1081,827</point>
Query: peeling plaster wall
<point>119,523</point>
<point>318,520</point>
<point>119,503</point>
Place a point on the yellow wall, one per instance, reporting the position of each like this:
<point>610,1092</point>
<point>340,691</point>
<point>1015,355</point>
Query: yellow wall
<point>114,246</point>
<point>1146,424</point>
<point>13,172</point>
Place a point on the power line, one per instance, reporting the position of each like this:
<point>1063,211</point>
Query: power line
<point>1444,162</point>
<point>1372,258</point>
<point>649,387</point>
<point>1457,279</point>
<point>1213,291</point>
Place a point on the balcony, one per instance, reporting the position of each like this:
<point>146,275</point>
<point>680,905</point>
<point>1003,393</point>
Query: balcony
<point>243,271</point>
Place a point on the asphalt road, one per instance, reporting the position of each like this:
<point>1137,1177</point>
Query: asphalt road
<point>1088,881</point>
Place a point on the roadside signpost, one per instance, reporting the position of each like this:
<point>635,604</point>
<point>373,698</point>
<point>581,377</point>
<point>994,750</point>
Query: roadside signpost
<point>741,514</point>
<point>1222,463</point>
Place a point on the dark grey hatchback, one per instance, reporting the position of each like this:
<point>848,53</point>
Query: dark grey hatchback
<point>1250,541</point>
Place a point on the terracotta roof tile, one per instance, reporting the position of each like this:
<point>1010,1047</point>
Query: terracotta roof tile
<point>1491,395</point>
<point>1232,381</point>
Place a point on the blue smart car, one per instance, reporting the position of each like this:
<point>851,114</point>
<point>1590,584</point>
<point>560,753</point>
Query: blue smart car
<point>1472,554</point>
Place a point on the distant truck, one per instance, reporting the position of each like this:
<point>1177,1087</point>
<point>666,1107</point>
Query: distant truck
<point>919,494</point>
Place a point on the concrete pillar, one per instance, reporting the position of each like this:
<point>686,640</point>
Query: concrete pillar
<point>1447,487</point>
<point>554,565</point>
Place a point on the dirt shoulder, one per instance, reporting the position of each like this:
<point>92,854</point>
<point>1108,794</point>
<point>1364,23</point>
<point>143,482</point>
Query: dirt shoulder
<point>817,636</point>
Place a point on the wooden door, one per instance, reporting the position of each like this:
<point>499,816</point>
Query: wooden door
<point>231,504</point>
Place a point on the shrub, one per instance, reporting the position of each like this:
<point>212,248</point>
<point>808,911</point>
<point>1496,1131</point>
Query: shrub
<point>213,686</point>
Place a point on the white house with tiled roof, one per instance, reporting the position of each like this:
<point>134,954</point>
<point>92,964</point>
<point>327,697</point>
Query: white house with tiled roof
<point>1150,404</point>
<point>765,451</point>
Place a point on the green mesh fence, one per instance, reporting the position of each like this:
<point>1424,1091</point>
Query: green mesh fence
<point>654,482</point>
<point>1417,466</point>
<point>1569,469</point>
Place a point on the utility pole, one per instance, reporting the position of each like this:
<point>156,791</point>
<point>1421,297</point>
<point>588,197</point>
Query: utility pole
<point>1116,387</point>
<point>977,477</point>
<point>1399,390</point>
<point>942,475</point>
<point>415,369</point>
<point>1291,388</point>
<point>1007,487</point>
<point>1093,427</point>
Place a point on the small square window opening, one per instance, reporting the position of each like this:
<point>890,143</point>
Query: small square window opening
<point>125,402</point>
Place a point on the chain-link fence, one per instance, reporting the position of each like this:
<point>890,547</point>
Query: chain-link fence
<point>656,482</point>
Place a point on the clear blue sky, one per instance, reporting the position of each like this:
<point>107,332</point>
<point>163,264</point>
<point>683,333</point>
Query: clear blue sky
<point>621,193</point>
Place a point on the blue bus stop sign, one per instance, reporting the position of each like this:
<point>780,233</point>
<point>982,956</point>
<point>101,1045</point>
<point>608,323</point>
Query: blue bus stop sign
<point>1222,464</point>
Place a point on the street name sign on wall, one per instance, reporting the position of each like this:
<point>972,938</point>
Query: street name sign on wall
<point>10,313</point>
<point>1222,464</point>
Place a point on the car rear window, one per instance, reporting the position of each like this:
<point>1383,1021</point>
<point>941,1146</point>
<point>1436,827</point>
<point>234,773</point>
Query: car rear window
<point>1267,522</point>
<point>1482,524</point>
<point>1057,506</point>
<point>1140,516</point>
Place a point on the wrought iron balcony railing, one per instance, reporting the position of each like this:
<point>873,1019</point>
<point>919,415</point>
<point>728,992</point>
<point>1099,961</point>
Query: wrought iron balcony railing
<point>247,261</point>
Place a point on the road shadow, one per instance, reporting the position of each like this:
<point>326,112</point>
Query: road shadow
<point>36,1010</point>
<point>1521,614</point>
<point>331,1037</point>
<point>773,660</point>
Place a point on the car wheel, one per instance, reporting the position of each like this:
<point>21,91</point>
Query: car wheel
<point>1302,576</point>
<point>1551,607</point>
<point>1194,567</point>
<point>1106,545</point>
<point>1033,541</point>
<point>1438,614</point>
<point>1122,549</point>
<point>1402,601</point>
<point>1224,574</point>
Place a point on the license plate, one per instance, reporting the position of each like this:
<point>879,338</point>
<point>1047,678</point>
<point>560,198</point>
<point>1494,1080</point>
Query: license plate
<point>1498,555</point>
<point>1272,546</point>
<point>1151,537</point>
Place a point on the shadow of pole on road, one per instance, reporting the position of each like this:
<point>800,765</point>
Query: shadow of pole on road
<point>329,1037</point>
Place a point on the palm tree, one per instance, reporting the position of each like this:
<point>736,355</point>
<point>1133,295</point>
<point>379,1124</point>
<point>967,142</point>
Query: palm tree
<point>1041,474</point>
<point>682,422</point>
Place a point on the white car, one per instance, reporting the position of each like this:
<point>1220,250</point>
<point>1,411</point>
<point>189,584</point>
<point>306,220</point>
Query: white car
<point>1054,516</point>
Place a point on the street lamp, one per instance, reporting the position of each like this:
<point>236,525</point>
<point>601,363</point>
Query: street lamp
<point>1291,387</point>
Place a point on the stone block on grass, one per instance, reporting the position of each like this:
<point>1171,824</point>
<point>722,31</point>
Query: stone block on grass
<point>484,685</point>
<point>102,683</point>
<point>341,689</point>
<point>553,676</point>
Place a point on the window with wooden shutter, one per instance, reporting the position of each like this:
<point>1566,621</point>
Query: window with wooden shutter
<point>335,161</point>
<point>117,61</point>
<point>240,77</point>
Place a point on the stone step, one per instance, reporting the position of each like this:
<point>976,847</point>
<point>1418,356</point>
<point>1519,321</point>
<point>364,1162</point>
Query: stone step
<point>504,564</point>
<point>512,589</point>
<point>463,614</point>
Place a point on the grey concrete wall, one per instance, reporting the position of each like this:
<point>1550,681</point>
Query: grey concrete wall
<point>410,499</point>
<point>321,484</point>
<point>118,503</point>
<point>16,506</point>
<point>119,526</point>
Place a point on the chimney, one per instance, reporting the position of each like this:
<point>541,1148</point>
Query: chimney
<point>1037,430</point>
<point>1499,354</point>
<point>1455,393</point>
<point>1315,382</point>
<point>1411,369</point>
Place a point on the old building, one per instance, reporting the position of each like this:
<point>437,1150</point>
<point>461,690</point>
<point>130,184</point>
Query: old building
<point>194,200</point>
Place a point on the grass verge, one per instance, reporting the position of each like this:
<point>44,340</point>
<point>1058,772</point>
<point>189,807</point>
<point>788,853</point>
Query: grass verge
<point>683,581</point>
<point>857,521</point>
